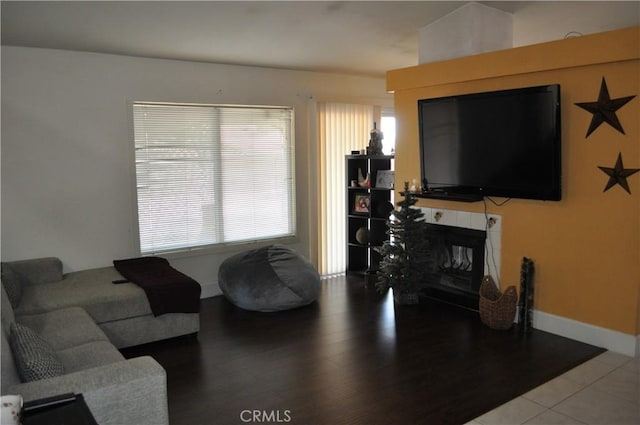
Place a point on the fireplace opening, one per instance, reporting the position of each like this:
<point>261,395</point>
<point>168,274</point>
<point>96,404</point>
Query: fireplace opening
<point>455,265</point>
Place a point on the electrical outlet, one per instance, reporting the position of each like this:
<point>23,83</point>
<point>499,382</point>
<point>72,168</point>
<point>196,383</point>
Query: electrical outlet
<point>491,221</point>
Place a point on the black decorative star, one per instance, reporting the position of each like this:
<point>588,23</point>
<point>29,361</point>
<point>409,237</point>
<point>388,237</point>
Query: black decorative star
<point>618,175</point>
<point>604,109</point>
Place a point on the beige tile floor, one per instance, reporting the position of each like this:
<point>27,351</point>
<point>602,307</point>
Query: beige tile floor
<point>602,391</point>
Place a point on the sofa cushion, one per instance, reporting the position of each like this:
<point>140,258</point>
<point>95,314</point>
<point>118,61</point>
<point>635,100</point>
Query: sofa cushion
<point>12,285</point>
<point>35,359</point>
<point>89,355</point>
<point>92,290</point>
<point>64,328</point>
<point>8,370</point>
<point>6,311</point>
<point>37,271</point>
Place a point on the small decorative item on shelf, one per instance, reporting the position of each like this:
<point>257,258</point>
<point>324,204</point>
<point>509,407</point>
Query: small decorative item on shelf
<point>362,204</point>
<point>375,143</point>
<point>362,236</point>
<point>362,181</point>
<point>385,179</point>
<point>497,310</point>
<point>406,253</point>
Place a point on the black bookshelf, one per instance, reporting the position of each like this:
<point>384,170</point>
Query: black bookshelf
<point>367,211</point>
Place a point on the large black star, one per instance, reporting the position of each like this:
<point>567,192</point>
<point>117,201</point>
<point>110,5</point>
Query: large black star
<point>618,175</point>
<point>604,109</point>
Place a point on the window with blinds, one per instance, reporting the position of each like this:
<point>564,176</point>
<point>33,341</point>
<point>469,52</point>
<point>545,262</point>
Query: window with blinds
<point>212,174</point>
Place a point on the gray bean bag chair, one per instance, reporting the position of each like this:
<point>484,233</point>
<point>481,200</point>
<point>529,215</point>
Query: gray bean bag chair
<point>272,278</point>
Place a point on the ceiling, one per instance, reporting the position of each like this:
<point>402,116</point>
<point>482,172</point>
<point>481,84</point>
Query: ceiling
<point>352,37</point>
<point>358,37</point>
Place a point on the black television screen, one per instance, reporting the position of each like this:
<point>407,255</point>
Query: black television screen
<point>504,143</point>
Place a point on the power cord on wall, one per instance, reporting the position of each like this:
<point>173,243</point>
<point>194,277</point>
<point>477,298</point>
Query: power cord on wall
<point>489,257</point>
<point>497,204</point>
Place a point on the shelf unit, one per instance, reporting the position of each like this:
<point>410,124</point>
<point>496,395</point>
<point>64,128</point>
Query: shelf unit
<point>364,258</point>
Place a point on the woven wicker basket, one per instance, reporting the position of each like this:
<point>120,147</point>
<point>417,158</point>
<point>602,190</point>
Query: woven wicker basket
<point>497,310</point>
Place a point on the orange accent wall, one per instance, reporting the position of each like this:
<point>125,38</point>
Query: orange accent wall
<point>586,247</point>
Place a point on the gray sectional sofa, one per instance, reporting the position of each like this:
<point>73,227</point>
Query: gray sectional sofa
<point>79,320</point>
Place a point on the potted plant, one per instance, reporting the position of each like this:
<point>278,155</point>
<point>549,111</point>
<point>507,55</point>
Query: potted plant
<point>405,255</point>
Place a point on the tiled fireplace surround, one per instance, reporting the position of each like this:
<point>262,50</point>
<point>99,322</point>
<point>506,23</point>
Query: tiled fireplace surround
<point>492,223</point>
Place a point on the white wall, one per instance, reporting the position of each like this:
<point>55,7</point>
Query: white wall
<point>476,28</point>
<point>68,182</point>
<point>542,21</point>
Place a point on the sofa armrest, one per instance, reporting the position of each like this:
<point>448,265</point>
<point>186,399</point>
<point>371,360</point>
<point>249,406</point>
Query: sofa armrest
<point>35,271</point>
<point>127,392</point>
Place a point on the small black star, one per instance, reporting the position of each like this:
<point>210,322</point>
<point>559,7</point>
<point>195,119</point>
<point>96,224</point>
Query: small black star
<point>604,109</point>
<point>618,175</point>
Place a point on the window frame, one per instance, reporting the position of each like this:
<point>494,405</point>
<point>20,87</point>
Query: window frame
<point>222,246</point>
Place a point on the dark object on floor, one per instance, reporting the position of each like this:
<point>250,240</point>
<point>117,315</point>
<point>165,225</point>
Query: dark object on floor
<point>497,310</point>
<point>168,290</point>
<point>525,319</point>
<point>272,278</point>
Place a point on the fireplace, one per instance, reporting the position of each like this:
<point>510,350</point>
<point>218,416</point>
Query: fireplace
<point>456,264</point>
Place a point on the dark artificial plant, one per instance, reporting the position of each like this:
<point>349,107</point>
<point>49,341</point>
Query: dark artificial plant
<point>405,254</point>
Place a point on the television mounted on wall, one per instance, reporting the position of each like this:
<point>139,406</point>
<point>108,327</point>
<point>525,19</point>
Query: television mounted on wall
<point>503,143</point>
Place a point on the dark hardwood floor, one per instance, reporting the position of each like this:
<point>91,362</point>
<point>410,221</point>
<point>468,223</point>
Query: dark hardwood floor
<point>352,358</point>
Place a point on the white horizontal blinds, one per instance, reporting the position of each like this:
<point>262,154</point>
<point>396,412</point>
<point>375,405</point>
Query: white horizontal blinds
<point>175,176</point>
<point>341,129</point>
<point>257,174</point>
<point>202,174</point>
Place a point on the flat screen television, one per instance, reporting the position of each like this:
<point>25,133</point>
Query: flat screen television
<point>503,143</point>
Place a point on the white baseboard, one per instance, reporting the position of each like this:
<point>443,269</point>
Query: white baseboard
<point>210,290</point>
<point>618,342</point>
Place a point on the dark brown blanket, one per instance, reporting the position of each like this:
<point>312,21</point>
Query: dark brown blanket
<point>168,290</point>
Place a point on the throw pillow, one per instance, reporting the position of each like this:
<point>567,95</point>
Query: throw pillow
<point>12,285</point>
<point>34,357</point>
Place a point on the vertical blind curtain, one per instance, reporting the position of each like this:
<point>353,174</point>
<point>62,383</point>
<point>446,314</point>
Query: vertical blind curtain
<point>341,129</point>
<point>210,174</point>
